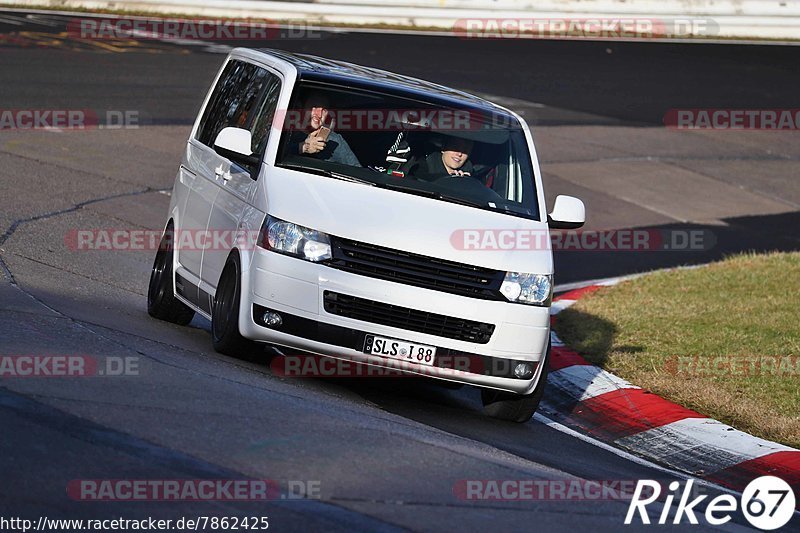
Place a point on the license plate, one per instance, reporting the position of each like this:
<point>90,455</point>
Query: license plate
<point>406,351</point>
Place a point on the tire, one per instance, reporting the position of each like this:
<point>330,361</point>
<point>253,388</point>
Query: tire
<point>225,333</point>
<point>161,301</point>
<point>515,407</point>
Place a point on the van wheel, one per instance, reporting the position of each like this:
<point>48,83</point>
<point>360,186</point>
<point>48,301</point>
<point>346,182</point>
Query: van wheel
<point>161,301</point>
<point>225,312</point>
<point>515,407</point>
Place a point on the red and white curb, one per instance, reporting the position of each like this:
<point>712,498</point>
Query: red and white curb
<point>611,409</point>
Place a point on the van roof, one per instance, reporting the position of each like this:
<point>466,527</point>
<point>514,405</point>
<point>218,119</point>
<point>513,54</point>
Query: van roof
<point>321,69</point>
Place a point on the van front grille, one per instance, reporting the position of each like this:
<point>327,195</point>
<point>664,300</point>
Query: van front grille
<point>406,318</point>
<point>416,270</point>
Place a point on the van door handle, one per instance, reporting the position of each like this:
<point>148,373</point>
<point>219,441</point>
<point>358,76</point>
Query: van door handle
<point>224,174</point>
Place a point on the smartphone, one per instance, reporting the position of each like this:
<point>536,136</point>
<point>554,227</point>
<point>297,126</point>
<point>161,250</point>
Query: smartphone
<point>324,131</point>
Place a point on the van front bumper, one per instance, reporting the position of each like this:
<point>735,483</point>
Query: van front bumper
<point>296,290</point>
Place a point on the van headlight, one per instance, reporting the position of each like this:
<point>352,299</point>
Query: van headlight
<point>290,239</point>
<point>531,289</point>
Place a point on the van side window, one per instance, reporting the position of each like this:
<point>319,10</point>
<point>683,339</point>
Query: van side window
<point>266,114</point>
<point>245,97</point>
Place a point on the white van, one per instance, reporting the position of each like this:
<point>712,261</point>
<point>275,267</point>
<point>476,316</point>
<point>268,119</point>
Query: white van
<point>352,213</point>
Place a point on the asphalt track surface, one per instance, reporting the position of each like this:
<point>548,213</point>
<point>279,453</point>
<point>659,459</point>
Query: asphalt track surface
<point>385,453</point>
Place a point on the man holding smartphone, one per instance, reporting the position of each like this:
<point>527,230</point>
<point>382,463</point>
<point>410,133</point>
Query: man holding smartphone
<point>321,141</point>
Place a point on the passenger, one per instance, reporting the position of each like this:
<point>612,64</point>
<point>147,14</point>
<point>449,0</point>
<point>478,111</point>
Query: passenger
<point>319,140</point>
<point>452,160</point>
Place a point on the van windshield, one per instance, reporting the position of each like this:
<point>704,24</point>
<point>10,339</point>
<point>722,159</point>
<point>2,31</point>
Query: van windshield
<point>471,156</point>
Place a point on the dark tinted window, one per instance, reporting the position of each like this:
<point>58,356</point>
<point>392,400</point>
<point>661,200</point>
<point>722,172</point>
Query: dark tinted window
<point>245,97</point>
<point>400,143</point>
<point>266,114</point>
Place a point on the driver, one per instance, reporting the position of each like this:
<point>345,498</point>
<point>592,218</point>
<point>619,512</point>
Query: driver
<point>453,160</point>
<point>319,140</point>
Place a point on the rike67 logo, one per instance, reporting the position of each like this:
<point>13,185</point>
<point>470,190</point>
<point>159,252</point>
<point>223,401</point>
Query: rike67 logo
<point>768,503</point>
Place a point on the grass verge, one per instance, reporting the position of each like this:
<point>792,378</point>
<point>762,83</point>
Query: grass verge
<point>722,339</point>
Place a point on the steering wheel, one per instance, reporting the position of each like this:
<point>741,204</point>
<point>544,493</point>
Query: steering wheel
<point>468,187</point>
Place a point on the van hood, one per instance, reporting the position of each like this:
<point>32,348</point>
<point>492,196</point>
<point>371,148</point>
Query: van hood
<point>407,222</point>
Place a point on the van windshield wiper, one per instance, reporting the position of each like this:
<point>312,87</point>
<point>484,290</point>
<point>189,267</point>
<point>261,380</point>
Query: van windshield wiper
<point>433,194</point>
<point>328,173</point>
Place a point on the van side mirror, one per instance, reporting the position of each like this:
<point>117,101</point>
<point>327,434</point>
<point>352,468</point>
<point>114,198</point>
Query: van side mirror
<point>234,144</point>
<point>568,213</point>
